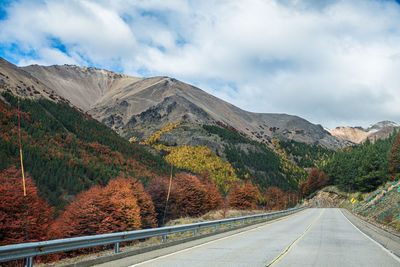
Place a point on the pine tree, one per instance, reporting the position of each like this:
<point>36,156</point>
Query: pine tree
<point>395,159</point>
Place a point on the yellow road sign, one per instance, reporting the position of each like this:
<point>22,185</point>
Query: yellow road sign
<point>353,200</point>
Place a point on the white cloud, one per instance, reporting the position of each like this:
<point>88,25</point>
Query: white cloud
<point>332,62</point>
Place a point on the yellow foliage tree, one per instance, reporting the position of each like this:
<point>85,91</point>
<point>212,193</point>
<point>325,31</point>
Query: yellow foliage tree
<point>287,166</point>
<point>201,159</point>
<point>154,138</point>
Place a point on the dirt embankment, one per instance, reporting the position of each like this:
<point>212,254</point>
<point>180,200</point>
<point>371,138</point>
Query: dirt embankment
<point>325,199</point>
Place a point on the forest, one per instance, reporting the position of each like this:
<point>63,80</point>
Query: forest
<point>258,162</point>
<point>84,179</point>
<point>66,152</point>
<point>365,167</point>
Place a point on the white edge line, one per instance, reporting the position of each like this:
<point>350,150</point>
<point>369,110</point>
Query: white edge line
<point>379,245</point>
<point>209,242</point>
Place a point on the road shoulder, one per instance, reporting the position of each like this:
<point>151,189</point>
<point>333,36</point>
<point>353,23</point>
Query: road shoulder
<point>384,238</point>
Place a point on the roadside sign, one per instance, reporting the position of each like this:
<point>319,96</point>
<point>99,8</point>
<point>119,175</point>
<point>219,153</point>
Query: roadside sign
<point>353,200</point>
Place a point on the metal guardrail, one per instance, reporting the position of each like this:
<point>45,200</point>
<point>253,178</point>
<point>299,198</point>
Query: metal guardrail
<point>30,250</point>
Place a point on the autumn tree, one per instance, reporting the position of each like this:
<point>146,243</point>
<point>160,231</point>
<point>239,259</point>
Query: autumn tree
<point>158,191</point>
<point>275,198</point>
<point>190,196</point>
<point>193,198</point>
<point>99,210</point>
<point>394,159</point>
<point>316,180</point>
<point>213,198</point>
<point>147,211</point>
<point>12,209</point>
<point>243,196</point>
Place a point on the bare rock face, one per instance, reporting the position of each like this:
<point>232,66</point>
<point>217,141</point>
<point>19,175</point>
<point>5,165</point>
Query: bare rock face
<point>136,107</point>
<point>82,86</point>
<point>358,135</point>
<point>325,199</point>
<point>352,134</point>
<point>19,82</point>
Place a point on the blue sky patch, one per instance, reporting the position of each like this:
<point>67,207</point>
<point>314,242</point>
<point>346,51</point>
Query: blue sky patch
<point>57,43</point>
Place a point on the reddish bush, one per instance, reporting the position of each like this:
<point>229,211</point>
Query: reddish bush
<point>113,208</point>
<point>158,190</point>
<point>190,196</point>
<point>12,210</point>
<point>147,212</point>
<point>275,198</point>
<point>195,198</point>
<point>243,196</point>
<point>316,180</point>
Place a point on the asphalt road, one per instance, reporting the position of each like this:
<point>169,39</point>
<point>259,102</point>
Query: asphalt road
<point>315,237</point>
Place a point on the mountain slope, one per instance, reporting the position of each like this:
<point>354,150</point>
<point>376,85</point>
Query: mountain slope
<point>83,86</point>
<point>19,82</point>
<point>138,107</point>
<point>358,135</point>
<point>66,152</point>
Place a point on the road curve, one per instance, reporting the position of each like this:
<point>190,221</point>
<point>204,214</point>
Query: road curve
<point>315,237</point>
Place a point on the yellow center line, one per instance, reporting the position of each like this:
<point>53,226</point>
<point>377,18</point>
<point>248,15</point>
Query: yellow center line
<point>294,242</point>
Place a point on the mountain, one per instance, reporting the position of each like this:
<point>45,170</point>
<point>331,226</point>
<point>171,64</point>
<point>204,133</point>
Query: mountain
<point>83,86</point>
<point>140,107</point>
<point>19,82</point>
<point>65,151</point>
<point>352,134</point>
<point>358,135</point>
<point>382,125</point>
<point>137,107</point>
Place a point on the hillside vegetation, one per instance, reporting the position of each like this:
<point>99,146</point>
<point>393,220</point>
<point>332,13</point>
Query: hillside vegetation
<point>364,167</point>
<point>83,179</point>
<point>250,160</point>
<point>65,152</point>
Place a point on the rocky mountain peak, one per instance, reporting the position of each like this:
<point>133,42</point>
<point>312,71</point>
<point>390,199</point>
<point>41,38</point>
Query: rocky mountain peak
<point>137,107</point>
<point>359,135</point>
<point>381,125</point>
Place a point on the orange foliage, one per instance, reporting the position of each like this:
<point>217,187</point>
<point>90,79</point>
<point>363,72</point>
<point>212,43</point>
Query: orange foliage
<point>113,208</point>
<point>316,180</point>
<point>275,198</point>
<point>243,196</point>
<point>12,209</point>
<point>147,211</point>
<point>190,196</point>
<point>195,198</point>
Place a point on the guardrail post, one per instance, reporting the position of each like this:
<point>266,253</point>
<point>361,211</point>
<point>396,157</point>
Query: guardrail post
<point>116,247</point>
<point>216,227</point>
<point>195,232</point>
<point>29,262</point>
<point>243,221</point>
<point>231,225</point>
<point>164,238</point>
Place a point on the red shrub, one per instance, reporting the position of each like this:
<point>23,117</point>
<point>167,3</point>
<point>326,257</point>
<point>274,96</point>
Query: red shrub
<point>243,196</point>
<point>12,210</point>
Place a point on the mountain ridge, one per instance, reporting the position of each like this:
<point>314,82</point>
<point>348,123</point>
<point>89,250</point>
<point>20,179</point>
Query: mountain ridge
<point>358,134</point>
<point>122,102</point>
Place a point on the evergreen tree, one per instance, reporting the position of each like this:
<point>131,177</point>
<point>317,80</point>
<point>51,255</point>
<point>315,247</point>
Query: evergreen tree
<point>395,159</point>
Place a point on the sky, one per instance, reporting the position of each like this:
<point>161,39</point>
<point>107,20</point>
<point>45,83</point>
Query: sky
<point>332,62</point>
